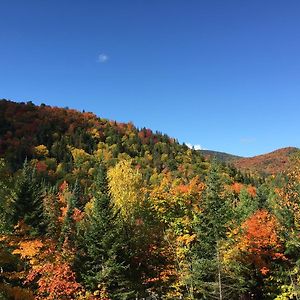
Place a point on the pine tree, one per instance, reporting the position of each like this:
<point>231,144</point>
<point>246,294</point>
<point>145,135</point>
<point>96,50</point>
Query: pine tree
<point>209,225</point>
<point>247,205</point>
<point>102,267</point>
<point>28,199</point>
<point>51,211</point>
<point>6,198</point>
<point>68,227</point>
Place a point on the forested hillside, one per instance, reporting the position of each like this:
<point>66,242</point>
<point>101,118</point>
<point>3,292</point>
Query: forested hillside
<point>95,209</point>
<point>268,164</point>
<point>271,163</point>
<point>221,156</point>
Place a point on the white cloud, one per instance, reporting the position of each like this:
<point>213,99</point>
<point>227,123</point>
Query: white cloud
<point>196,147</point>
<point>102,58</point>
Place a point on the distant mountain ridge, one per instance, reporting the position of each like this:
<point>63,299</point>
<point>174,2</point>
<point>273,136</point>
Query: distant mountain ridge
<point>222,156</point>
<point>269,163</point>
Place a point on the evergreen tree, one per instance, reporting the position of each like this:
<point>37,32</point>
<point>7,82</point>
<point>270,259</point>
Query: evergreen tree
<point>69,227</point>
<point>28,204</point>
<point>6,198</point>
<point>247,205</point>
<point>102,267</point>
<point>51,210</point>
<point>209,224</point>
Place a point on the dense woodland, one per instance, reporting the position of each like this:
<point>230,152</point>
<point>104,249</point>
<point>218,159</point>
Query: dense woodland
<point>95,209</point>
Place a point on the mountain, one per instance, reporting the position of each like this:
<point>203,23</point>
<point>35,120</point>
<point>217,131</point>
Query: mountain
<point>221,156</point>
<point>269,163</point>
<point>25,126</point>
<point>265,164</point>
<point>90,206</point>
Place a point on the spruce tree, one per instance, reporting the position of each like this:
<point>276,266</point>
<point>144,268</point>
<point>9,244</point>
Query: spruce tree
<point>69,227</point>
<point>209,225</point>
<point>7,198</point>
<point>247,205</point>
<point>51,211</point>
<point>28,199</point>
<point>100,245</point>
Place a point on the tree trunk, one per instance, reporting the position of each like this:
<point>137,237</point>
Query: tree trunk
<point>219,273</point>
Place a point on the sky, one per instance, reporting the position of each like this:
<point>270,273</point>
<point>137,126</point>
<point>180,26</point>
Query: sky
<point>220,75</point>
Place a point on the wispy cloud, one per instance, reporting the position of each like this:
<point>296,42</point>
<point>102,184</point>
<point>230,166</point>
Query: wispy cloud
<point>196,147</point>
<point>247,140</point>
<point>102,58</point>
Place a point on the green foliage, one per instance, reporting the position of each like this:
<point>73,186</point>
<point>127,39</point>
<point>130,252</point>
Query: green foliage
<point>7,198</point>
<point>165,223</point>
<point>68,228</point>
<point>101,243</point>
<point>51,212</point>
<point>246,206</point>
<point>210,228</point>
<point>28,205</point>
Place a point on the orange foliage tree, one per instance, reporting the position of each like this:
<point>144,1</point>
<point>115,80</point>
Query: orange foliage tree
<point>55,280</point>
<point>259,241</point>
<point>48,269</point>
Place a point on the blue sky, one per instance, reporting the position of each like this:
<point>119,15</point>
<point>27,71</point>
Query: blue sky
<point>221,74</point>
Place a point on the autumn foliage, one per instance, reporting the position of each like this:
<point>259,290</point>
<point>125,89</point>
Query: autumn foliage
<point>260,240</point>
<point>96,209</point>
<point>55,281</point>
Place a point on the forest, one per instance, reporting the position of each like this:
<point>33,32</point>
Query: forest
<point>94,209</point>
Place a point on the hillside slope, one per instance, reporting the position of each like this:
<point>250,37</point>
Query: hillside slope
<point>221,156</point>
<point>266,164</point>
<point>269,163</point>
<point>91,207</point>
<point>25,126</point>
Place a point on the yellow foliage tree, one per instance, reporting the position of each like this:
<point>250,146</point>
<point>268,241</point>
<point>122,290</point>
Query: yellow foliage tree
<point>174,202</point>
<point>125,184</point>
<point>41,151</point>
<point>79,156</point>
